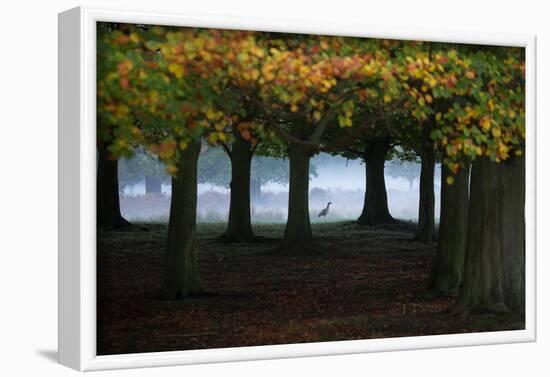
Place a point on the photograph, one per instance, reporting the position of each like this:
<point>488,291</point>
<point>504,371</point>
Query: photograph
<point>261,188</point>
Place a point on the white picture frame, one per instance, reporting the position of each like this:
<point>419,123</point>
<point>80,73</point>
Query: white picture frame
<point>77,167</point>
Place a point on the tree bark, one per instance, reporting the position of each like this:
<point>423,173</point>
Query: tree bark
<point>426,229</point>
<point>152,185</point>
<point>181,276</point>
<point>448,268</point>
<point>239,226</point>
<point>298,232</point>
<point>494,277</point>
<point>108,200</point>
<point>375,207</point>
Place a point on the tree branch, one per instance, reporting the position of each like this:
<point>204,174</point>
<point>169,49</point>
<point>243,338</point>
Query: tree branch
<point>274,124</point>
<point>329,117</point>
<point>253,150</point>
<point>226,149</point>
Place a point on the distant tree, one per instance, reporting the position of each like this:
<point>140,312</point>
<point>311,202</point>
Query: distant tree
<point>266,170</point>
<point>372,141</point>
<point>214,166</point>
<point>408,170</point>
<point>142,166</point>
<point>215,169</point>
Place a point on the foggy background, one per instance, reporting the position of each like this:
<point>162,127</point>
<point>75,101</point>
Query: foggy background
<point>332,178</point>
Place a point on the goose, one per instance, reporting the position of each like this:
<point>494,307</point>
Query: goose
<point>324,212</point>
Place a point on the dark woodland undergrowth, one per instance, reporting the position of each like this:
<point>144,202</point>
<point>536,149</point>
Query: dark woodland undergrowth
<point>367,283</point>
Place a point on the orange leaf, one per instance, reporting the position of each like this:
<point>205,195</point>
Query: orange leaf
<point>245,134</point>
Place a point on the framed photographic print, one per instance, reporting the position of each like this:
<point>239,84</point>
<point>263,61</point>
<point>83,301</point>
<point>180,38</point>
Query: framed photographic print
<point>243,189</point>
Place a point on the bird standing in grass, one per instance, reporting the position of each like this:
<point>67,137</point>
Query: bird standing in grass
<point>324,212</point>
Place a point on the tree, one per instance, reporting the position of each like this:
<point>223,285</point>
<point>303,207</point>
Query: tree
<point>267,170</point>
<point>181,276</point>
<point>317,83</point>
<point>409,170</point>
<point>166,92</point>
<point>239,224</point>
<point>107,186</point>
<point>142,166</point>
<point>170,112</point>
<point>477,109</point>
<point>426,206</point>
<point>371,142</point>
<point>448,267</point>
<point>494,277</point>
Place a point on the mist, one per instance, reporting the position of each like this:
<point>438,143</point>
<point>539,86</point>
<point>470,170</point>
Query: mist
<point>333,179</point>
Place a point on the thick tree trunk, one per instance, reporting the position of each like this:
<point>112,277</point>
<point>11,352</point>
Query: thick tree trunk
<point>152,185</point>
<point>448,268</point>
<point>375,207</point>
<point>426,229</point>
<point>298,232</point>
<point>108,201</point>
<point>181,276</point>
<point>494,276</point>
<point>239,226</point>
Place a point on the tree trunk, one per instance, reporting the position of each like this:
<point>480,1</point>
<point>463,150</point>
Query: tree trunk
<point>298,232</point>
<point>152,185</point>
<point>108,201</point>
<point>426,230</point>
<point>375,207</point>
<point>448,268</point>
<point>181,276</point>
<point>239,226</point>
<point>494,277</point>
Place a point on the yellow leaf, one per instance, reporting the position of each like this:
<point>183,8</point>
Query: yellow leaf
<point>496,132</point>
<point>486,123</point>
<point>212,138</point>
<point>134,37</point>
<point>450,180</point>
<point>136,131</point>
<point>317,115</point>
<point>176,69</point>
<point>211,114</point>
<point>387,98</point>
<point>171,169</point>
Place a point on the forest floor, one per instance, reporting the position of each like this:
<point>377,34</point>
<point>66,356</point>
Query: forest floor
<point>368,283</point>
